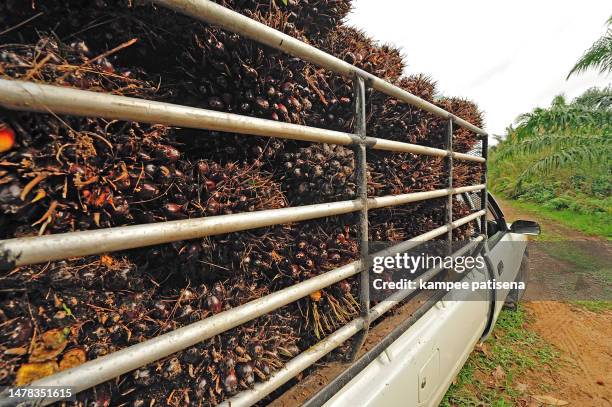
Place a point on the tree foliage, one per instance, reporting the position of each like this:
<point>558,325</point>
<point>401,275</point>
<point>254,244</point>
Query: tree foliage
<point>598,56</point>
<point>596,98</point>
<point>564,135</point>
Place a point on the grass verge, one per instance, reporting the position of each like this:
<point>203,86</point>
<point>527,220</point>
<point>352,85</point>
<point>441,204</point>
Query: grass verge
<point>492,374</point>
<point>595,306</point>
<point>598,224</point>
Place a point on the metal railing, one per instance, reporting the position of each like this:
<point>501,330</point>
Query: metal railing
<point>19,95</point>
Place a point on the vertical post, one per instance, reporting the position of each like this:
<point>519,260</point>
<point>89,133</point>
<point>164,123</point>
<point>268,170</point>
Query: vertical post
<point>449,168</point>
<point>362,188</point>
<point>484,192</point>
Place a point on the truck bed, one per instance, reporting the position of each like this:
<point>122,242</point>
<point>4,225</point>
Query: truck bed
<point>323,373</point>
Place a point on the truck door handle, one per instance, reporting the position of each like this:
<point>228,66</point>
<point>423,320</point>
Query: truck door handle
<point>500,268</point>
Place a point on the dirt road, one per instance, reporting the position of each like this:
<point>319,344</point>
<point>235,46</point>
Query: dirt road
<point>583,337</point>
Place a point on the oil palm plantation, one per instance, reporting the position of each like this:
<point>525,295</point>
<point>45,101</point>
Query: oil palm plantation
<point>564,135</point>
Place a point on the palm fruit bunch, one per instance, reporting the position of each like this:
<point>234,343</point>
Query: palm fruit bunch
<point>398,223</point>
<point>312,19</point>
<point>70,315</point>
<point>402,173</point>
<point>64,173</point>
<point>316,247</point>
<point>464,140</point>
<point>355,47</point>
<point>317,173</point>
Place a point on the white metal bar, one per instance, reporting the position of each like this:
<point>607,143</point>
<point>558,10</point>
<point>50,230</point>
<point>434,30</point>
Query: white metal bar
<point>322,348</point>
<point>484,195</point>
<point>390,145</point>
<point>212,13</point>
<point>392,200</point>
<point>466,219</point>
<point>40,249</point>
<point>467,157</point>
<point>34,97</point>
<point>449,166</point>
<point>20,95</point>
<point>398,146</point>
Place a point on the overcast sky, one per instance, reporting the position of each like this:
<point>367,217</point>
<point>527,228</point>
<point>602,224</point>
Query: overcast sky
<point>508,57</point>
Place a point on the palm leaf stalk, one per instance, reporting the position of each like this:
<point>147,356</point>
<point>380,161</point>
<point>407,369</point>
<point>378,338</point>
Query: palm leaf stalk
<point>598,56</point>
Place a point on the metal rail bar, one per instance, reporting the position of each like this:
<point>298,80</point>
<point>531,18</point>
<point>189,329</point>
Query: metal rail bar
<point>407,245</point>
<point>34,97</point>
<point>212,13</point>
<point>29,96</point>
<point>40,249</point>
<point>393,200</point>
<point>398,146</point>
<point>484,196</point>
<point>362,185</point>
<point>449,166</point>
<point>322,348</point>
<point>125,360</point>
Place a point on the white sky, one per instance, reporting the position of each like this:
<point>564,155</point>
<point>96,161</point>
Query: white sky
<point>507,56</point>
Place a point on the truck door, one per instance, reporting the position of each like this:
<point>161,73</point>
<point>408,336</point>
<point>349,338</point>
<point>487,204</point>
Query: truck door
<point>505,251</point>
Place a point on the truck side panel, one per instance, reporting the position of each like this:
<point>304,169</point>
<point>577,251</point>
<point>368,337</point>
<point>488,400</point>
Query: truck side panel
<point>419,366</point>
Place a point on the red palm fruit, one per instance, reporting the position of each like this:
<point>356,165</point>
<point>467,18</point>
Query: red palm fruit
<point>230,383</point>
<point>345,286</point>
<point>214,304</point>
<point>168,153</point>
<point>147,191</point>
<point>7,138</point>
<point>173,210</point>
<point>210,185</point>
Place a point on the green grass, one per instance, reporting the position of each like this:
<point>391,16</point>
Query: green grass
<point>596,224</point>
<point>511,348</point>
<point>595,306</point>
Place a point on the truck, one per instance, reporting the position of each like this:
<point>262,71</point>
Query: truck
<point>412,364</point>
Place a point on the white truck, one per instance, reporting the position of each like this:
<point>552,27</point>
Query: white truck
<point>411,366</point>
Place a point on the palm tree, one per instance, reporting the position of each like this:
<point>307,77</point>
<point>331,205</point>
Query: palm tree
<point>599,56</point>
<point>562,135</point>
<point>596,98</point>
<point>559,150</point>
<point>577,117</point>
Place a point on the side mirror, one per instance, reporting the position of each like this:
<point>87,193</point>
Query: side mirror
<point>525,227</point>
